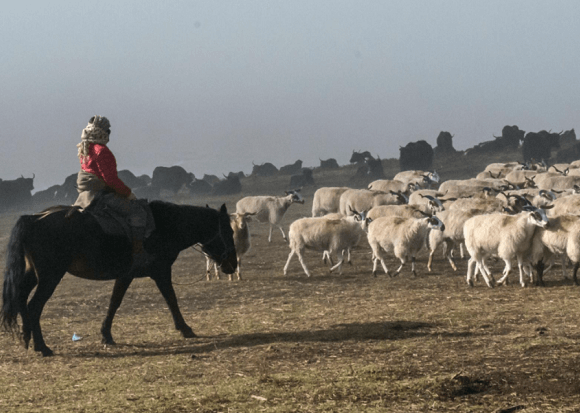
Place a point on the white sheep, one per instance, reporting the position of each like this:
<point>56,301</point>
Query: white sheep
<point>420,178</point>
<point>405,237</point>
<point>327,200</point>
<point>239,223</point>
<point>269,209</point>
<point>387,185</point>
<point>364,199</point>
<point>335,236</point>
<point>508,237</point>
<point>454,221</point>
<point>406,211</point>
<point>561,237</point>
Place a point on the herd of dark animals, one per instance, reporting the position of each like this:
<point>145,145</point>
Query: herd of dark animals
<point>44,246</point>
<point>417,155</point>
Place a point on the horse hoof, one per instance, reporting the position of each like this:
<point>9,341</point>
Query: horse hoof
<point>46,352</point>
<point>108,341</point>
<point>188,333</point>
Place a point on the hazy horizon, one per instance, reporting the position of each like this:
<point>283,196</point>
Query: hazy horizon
<point>216,85</point>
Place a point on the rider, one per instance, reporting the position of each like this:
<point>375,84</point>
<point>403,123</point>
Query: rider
<point>99,172</point>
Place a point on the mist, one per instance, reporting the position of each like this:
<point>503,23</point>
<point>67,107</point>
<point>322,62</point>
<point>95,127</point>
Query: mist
<point>214,86</point>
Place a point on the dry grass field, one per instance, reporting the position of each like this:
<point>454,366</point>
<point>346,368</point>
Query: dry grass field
<point>329,343</point>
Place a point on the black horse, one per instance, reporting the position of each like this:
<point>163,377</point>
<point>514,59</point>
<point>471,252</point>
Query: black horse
<point>42,248</point>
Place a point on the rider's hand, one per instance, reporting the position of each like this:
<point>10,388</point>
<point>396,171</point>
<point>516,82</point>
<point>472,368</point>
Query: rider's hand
<point>131,197</point>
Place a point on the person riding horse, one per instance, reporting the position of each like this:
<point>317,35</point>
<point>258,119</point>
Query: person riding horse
<point>98,179</point>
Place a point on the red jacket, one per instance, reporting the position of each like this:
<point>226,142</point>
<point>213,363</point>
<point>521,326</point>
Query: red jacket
<point>101,162</point>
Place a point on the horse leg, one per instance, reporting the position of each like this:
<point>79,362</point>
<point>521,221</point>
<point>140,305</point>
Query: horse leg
<point>164,284</point>
<point>46,286</point>
<point>119,290</point>
<point>28,284</point>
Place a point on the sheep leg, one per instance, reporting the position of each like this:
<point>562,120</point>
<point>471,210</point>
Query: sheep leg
<point>461,253</point>
<point>574,272</point>
<point>506,271</point>
<point>207,268</point>
<point>292,252</point>
<point>521,269</point>
<point>430,261</point>
<point>237,270</point>
<point>486,274</point>
<point>339,264</point>
<point>401,267</point>
<point>471,266</point>
<point>270,234</point>
<point>301,259</point>
<point>282,231</point>
<point>326,255</point>
<point>413,266</point>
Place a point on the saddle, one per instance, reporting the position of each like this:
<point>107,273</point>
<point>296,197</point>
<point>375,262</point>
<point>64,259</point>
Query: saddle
<point>111,221</point>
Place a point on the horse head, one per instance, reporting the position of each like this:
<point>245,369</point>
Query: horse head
<point>220,247</point>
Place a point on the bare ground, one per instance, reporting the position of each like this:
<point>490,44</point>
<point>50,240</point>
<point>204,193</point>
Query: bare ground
<point>349,342</point>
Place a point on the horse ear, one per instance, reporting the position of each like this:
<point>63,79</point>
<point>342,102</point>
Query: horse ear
<point>223,209</point>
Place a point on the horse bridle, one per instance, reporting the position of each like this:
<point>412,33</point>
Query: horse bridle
<point>227,251</point>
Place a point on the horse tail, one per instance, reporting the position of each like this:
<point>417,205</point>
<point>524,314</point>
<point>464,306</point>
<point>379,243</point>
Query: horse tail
<point>15,269</point>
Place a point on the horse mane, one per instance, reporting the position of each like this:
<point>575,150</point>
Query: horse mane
<point>70,210</point>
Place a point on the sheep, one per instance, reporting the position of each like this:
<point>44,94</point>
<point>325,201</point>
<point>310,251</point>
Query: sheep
<point>404,236</point>
<point>421,178</point>
<point>565,205</point>
<point>484,204</point>
<point>327,200</point>
<point>419,196</point>
<point>364,199</point>
<point>556,182</point>
<point>387,185</point>
<point>503,168</point>
<point>506,236</point>
<point>454,221</point>
<point>471,186</point>
<point>239,223</point>
<point>323,234</point>
<point>560,238</point>
<point>269,209</point>
<point>406,211</point>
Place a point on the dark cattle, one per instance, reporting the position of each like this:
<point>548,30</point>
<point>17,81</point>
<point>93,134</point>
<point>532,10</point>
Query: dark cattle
<point>130,179</point>
<point>211,179</point>
<point>444,144</point>
<point>266,169</point>
<point>511,137</point>
<point>538,145</point>
<point>145,178</point>
<point>67,193</point>
<point>293,169</point>
<point>240,174</point>
<point>328,163</point>
<point>171,178</point>
<point>416,156</point>
<point>149,192</point>
<point>16,193</point>
<point>199,186</point>
<point>372,168</point>
<point>359,157</point>
<point>302,180</point>
<point>568,137</point>
<point>45,196</point>
<point>228,186</point>
<point>375,170</point>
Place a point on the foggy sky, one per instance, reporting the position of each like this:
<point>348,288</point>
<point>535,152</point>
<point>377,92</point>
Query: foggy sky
<point>216,85</point>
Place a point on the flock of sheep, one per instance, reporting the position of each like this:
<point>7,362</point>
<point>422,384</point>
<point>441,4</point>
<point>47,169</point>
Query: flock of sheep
<point>519,213</point>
